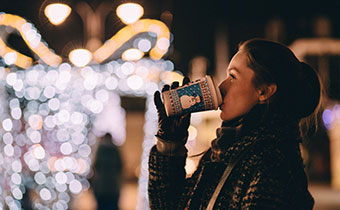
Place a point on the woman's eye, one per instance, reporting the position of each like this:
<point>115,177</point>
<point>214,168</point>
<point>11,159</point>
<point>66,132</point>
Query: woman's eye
<point>232,76</point>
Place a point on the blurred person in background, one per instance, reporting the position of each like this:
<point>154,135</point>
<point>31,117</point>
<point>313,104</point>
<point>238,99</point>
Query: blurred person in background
<point>255,161</point>
<point>107,177</point>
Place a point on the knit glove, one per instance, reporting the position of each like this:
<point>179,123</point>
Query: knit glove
<point>172,131</point>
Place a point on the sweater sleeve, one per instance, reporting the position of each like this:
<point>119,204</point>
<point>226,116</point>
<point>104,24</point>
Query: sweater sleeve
<point>166,180</point>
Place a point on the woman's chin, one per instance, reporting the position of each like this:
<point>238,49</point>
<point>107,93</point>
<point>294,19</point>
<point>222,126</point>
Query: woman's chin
<point>223,117</point>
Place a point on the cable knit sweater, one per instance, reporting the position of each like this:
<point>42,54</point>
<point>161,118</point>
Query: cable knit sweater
<point>269,176</point>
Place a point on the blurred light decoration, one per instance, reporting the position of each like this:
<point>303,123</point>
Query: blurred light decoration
<point>33,40</point>
<point>65,110</point>
<point>80,57</point>
<point>57,13</point>
<point>153,27</point>
<point>51,113</point>
<point>132,55</point>
<point>129,12</point>
<point>331,120</point>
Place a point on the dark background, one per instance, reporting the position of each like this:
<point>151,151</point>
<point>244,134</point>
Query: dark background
<point>193,25</point>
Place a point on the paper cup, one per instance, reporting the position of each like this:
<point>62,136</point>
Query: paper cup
<point>199,95</point>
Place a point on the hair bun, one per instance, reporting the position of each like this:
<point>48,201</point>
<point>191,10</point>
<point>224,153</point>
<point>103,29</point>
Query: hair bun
<point>308,90</point>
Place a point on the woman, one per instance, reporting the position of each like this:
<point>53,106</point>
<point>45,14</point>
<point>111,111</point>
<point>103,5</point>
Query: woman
<point>255,161</point>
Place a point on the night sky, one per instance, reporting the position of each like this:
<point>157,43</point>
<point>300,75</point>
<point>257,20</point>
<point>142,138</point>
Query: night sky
<point>193,25</point>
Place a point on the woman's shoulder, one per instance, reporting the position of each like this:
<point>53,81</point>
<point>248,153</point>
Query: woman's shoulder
<point>276,155</point>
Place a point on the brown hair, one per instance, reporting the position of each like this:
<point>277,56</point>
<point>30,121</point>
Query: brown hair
<point>298,94</point>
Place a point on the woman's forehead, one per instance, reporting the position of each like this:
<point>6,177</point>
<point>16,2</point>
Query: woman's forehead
<point>239,61</point>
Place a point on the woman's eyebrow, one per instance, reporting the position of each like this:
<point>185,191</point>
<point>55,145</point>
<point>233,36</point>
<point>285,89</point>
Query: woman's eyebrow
<point>233,68</point>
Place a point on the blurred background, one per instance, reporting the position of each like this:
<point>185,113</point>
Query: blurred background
<point>77,81</point>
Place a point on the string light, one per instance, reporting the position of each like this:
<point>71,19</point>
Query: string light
<point>57,13</point>
<point>129,12</point>
<point>50,137</point>
<point>32,39</point>
<point>56,144</point>
<point>154,27</point>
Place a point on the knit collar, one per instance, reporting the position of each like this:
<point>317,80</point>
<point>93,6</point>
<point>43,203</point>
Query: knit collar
<point>235,136</point>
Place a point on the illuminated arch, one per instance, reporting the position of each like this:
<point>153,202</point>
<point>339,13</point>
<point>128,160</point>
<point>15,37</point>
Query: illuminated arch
<point>31,38</point>
<point>33,41</point>
<point>129,31</point>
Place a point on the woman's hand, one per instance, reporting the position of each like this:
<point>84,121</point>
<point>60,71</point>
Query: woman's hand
<point>174,128</point>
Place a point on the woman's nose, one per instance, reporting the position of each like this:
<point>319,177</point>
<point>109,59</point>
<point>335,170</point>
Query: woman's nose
<point>223,87</point>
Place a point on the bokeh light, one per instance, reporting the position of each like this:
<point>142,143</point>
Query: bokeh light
<point>57,13</point>
<point>132,54</point>
<point>129,12</point>
<point>54,113</point>
<point>80,57</point>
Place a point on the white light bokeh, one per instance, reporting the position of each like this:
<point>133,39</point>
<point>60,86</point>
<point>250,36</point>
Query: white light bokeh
<point>45,194</point>
<point>38,151</point>
<point>35,121</point>
<point>50,111</point>
<point>35,136</point>
<point>132,54</point>
<point>18,85</point>
<point>84,150</point>
<point>7,124</point>
<point>16,113</point>
<point>80,57</point>
<point>40,178</point>
<point>75,186</point>
<point>7,138</point>
<point>63,116</point>
<point>10,58</point>
<point>33,164</point>
<point>61,178</point>
<point>111,83</point>
<point>66,148</point>
<point>135,82</point>
<point>9,150</point>
<point>129,12</point>
<point>144,45</point>
<point>16,166</point>
<point>76,118</point>
<point>16,178</point>
<point>163,43</point>
<point>57,12</point>
<point>54,104</point>
<point>17,194</point>
<point>49,92</point>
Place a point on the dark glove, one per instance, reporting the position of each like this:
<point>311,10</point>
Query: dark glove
<point>172,129</point>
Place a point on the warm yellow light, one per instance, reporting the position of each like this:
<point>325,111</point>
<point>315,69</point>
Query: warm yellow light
<point>132,54</point>
<point>129,12</point>
<point>32,40</point>
<point>126,33</point>
<point>57,13</point>
<point>169,76</point>
<point>80,57</point>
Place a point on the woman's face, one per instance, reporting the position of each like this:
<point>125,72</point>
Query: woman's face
<point>239,94</point>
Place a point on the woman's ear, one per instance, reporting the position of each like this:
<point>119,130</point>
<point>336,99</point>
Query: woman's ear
<point>266,91</point>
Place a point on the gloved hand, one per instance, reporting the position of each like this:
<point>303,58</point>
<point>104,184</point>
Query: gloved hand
<point>174,128</point>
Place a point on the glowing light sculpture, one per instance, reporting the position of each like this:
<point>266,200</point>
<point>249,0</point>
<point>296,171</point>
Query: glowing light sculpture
<point>144,25</point>
<point>32,39</point>
<point>129,12</point>
<point>48,141</point>
<point>49,128</point>
<point>57,13</point>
